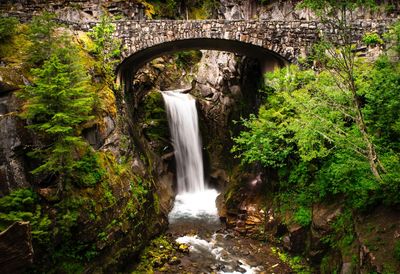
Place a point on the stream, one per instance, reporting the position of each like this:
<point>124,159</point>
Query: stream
<point>194,219</point>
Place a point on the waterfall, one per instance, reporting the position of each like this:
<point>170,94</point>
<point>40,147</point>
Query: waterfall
<point>193,199</point>
<point>183,124</point>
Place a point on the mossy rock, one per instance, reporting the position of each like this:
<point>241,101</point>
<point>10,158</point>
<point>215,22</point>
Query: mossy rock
<point>10,79</point>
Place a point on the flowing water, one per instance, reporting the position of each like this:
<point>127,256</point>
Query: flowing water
<point>194,218</point>
<point>183,124</point>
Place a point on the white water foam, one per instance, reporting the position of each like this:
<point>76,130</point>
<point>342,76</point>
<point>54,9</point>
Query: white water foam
<point>211,249</point>
<point>195,205</point>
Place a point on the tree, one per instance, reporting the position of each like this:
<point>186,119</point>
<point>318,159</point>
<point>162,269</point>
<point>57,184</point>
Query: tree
<point>58,103</point>
<point>41,35</point>
<point>337,56</point>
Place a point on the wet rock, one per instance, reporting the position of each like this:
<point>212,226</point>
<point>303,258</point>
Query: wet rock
<point>323,217</point>
<point>16,252</point>
<point>174,261</point>
<point>222,211</point>
<point>165,192</point>
<point>50,194</point>
<point>347,268</point>
<point>240,269</point>
<point>74,15</point>
<point>13,139</point>
<point>376,234</point>
<point>296,239</point>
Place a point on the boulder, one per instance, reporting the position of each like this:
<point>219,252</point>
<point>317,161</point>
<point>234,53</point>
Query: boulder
<point>295,240</point>
<point>16,251</point>
<point>323,217</point>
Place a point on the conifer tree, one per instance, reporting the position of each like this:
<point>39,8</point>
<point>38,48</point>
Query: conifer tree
<point>58,103</point>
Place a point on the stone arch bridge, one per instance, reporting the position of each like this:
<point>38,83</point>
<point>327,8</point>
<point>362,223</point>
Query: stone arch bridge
<point>273,43</point>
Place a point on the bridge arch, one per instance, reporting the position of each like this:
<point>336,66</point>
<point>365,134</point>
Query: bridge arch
<point>268,59</point>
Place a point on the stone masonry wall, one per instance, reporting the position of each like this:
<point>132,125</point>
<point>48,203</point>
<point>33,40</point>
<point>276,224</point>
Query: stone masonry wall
<point>290,39</point>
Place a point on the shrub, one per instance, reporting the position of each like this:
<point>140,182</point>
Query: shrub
<point>303,216</point>
<point>372,39</point>
<point>7,27</point>
<point>22,205</point>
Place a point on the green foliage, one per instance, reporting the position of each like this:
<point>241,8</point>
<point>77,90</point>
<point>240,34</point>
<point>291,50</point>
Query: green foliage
<point>22,205</point>
<point>7,27</point>
<point>372,39</point>
<point>159,251</point>
<point>41,34</point>
<point>309,131</point>
<point>393,37</point>
<point>57,104</point>
<point>296,263</point>
<point>380,86</point>
<point>87,170</point>
<point>178,9</point>
<point>139,190</point>
<point>155,119</point>
<point>332,7</point>
<point>106,48</point>
<point>68,215</point>
<point>397,250</point>
<point>187,59</point>
<point>303,216</point>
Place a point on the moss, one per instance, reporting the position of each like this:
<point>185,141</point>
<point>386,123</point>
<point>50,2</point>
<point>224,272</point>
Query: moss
<point>85,42</point>
<point>14,49</point>
<point>87,171</point>
<point>160,251</point>
<point>296,263</point>
<point>154,121</point>
<point>156,203</point>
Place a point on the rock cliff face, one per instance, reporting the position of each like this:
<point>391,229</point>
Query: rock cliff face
<point>16,252</point>
<point>75,10</point>
<point>286,10</point>
<point>13,135</point>
<point>84,11</point>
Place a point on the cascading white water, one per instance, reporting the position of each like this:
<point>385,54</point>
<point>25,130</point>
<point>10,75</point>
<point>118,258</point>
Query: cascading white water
<point>195,203</point>
<point>193,199</point>
<point>183,124</point>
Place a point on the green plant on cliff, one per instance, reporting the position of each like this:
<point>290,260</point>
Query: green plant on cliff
<point>372,39</point>
<point>106,48</point>
<point>58,103</point>
<point>22,205</point>
<point>159,252</point>
<point>41,33</point>
<point>8,27</point>
<point>178,9</point>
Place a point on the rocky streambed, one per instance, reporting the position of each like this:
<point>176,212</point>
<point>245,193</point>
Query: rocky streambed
<point>198,242</point>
